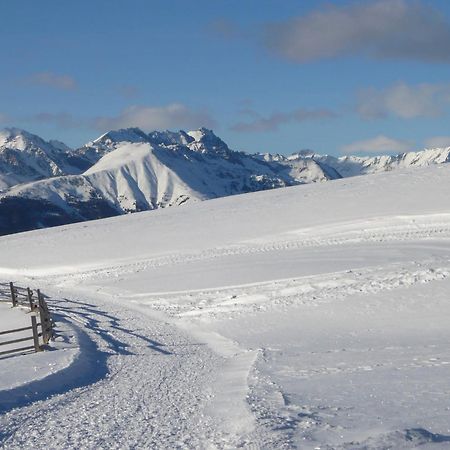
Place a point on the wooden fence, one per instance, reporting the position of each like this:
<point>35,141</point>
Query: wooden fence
<point>42,330</point>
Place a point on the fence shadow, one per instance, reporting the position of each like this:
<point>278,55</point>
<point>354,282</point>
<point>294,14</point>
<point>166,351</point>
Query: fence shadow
<point>92,317</point>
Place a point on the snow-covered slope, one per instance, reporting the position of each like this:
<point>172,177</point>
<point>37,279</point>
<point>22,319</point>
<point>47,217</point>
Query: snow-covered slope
<point>291,213</point>
<point>306,317</point>
<point>26,157</point>
<point>135,178</point>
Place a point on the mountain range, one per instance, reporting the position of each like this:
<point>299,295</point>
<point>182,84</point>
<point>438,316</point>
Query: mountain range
<point>45,184</point>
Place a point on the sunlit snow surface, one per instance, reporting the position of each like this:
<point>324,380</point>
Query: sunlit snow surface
<point>306,317</point>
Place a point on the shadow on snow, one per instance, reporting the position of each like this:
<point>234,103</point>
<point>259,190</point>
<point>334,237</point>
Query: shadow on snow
<point>90,365</point>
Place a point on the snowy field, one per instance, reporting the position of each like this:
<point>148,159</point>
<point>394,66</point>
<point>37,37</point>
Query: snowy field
<point>312,317</point>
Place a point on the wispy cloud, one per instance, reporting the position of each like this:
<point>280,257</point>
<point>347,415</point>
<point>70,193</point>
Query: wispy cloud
<point>404,101</point>
<point>381,29</point>
<point>438,141</point>
<point>175,115</point>
<point>378,145</point>
<point>50,79</point>
<point>259,123</point>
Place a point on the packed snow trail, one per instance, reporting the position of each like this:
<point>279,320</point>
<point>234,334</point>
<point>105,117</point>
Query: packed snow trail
<point>155,384</point>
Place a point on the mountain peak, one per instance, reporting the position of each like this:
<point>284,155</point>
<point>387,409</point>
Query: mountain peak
<point>205,141</point>
<point>18,139</point>
<point>124,134</point>
<point>201,132</point>
<point>168,137</point>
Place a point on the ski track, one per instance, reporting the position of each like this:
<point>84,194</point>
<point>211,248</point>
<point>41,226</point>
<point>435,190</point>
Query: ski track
<point>158,381</point>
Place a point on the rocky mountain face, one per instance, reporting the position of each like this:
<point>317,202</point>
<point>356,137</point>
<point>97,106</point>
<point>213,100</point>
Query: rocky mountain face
<point>46,183</point>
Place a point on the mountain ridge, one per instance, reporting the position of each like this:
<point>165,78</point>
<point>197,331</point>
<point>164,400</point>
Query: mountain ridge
<point>128,170</point>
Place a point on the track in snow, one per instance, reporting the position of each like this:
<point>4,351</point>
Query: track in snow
<point>146,387</point>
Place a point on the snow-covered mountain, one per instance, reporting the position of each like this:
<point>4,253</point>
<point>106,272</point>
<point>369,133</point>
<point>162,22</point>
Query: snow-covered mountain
<point>202,141</point>
<point>133,172</point>
<point>349,166</point>
<point>26,157</point>
<point>128,170</point>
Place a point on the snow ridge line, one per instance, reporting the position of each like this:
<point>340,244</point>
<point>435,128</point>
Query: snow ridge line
<point>388,233</point>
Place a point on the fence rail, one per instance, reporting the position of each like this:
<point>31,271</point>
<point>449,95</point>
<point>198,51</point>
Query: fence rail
<point>42,331</point>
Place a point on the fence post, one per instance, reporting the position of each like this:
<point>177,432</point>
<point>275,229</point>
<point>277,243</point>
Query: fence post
<point>13,294</point>
<point>33,308</point>
<point>37,347</point>
<point>30,298</point>
<point>45,319</point>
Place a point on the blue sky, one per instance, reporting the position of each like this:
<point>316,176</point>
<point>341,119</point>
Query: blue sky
<point>337,77</point>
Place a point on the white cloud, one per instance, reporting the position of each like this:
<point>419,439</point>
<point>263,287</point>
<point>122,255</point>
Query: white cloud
<point>438,141</point>
<point>64,82</point>
<point>379,145</point>
<point>175,115</point>
<point>381,29</point>
<point>404,101</point>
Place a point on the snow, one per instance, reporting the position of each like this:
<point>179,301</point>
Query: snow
<point>197,134</point>
<point>313,316</point>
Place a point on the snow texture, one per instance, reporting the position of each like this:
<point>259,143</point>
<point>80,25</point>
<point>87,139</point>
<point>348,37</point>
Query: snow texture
<point>308,317</point>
